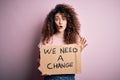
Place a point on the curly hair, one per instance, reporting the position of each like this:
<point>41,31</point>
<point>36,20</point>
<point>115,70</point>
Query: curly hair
<point>73,26</point>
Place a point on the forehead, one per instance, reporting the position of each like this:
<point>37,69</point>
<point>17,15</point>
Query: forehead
<point>60,14</point>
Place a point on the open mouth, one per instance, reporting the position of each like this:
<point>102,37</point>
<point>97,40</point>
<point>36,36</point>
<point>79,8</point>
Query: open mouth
<point>60,26</point>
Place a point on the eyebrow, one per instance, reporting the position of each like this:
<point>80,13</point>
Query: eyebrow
<point>63,16</point>
<point>56,16</point>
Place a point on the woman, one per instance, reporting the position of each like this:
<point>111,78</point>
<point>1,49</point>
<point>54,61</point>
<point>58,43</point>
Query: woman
<point>61,27</point>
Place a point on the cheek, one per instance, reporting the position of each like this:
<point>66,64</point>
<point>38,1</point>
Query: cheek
<point>56,23</point>
<point>65,23</point>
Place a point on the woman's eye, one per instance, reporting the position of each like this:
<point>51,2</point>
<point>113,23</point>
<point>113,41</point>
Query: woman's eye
<point>64,18</point>
<point>56,19</point>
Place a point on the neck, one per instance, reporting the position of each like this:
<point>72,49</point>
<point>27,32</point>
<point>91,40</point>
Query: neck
<point>60,34</point>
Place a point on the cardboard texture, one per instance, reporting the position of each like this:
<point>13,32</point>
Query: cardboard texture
<point>62,59</point>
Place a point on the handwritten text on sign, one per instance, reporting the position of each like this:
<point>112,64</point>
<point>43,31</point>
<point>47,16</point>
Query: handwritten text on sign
<point>64,59</point>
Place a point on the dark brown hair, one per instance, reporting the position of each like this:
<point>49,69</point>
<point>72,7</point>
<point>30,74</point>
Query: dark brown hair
<point>71,33</point>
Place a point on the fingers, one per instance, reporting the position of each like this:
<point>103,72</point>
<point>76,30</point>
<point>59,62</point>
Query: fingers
<point>85,45</point>
<point>83,42</point>
<point>44,75</point>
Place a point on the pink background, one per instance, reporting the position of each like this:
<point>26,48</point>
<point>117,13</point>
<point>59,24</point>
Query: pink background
<point>20,26</point>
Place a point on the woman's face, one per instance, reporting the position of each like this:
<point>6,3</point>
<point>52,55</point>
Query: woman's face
<point>61,22</point>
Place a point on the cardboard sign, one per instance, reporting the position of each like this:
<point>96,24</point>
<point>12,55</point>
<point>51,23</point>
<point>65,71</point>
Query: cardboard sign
<point>63,59</point>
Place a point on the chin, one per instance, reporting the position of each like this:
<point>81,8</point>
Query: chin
<point>61,30</point>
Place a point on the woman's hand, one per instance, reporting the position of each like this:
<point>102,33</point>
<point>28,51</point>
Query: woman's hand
<point>44,75</point>
<point>83,43</point>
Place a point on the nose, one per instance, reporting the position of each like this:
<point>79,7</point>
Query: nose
<point>60,21</point>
